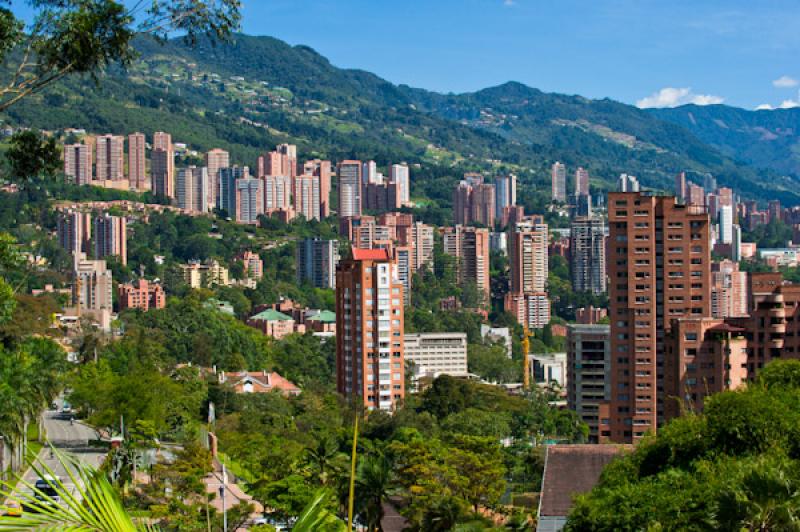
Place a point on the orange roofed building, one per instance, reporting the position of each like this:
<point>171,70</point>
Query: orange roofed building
<point>258,382</point>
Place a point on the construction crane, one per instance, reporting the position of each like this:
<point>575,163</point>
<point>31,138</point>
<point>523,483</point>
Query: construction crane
<point>526,347</point>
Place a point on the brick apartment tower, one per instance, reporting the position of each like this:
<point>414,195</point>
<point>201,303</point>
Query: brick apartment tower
<point>162,163</point>
<point>660,269</point>
<point>215,160</point>
<point>137,171</point>
<point>470,246</point>
<point>78,163</point>
<point>109,158</point>
<point>369,330</point>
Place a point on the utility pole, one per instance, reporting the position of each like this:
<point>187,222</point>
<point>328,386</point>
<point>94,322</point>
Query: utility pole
<point>222,490</point>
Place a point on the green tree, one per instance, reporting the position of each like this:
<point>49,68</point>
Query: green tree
<point>31,155</point>
<point>84,37</point>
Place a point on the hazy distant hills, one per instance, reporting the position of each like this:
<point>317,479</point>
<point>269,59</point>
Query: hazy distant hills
<point>767,139</point>
<point>258,91</point>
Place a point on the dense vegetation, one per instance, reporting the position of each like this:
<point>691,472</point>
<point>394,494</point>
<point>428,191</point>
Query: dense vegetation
<point>293,94</point>
<point>733,467</point>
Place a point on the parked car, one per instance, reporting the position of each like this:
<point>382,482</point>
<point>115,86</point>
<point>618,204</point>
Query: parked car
<point>12,509</point>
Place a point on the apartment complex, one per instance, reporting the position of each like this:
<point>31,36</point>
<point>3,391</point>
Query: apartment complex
<point>558,178</point>
<point>191,189</point>
<point>137,162</point>
<point>78,163</point>
<point>203,274</point>
<point>74,231</point>
<point>369,330</point>
<point>109,158</point>
<point>215,160</point>
<point>588,388</point>
<point>253,265</point>
<point>474,201</point>
<point>588,255</point>
<point>434,354</point>
<point>92,290</point>
<point>141,294</point>
<point>249,200</point>
<point>728,290</point>
<point>470,246</point>
<point>226,188</point>
<point>659,270</point>
<point>110,237</point>
<point>316,261</point>
<point>348,174</point>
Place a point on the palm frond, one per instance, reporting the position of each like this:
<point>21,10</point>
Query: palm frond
<point>316,517</point>
<point>93,503</point>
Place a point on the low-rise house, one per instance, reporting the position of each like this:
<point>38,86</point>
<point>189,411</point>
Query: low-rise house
<point>273,323</point>
<point>258,382</point>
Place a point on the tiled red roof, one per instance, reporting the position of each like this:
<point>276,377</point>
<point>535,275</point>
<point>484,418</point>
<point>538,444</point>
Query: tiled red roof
<point>371,254</point>
<point>571,470</point>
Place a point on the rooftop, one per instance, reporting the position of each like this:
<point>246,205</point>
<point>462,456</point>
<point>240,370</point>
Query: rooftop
<point>371,254</point>
<point>271,315</point>
<point>571,470</point>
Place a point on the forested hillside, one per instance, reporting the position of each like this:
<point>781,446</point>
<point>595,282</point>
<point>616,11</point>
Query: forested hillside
<point>257,91</point>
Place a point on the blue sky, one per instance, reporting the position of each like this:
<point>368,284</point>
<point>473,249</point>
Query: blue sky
<point>650,52</point>
<point>706,51</point>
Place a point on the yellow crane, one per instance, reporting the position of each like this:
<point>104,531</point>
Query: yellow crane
<point>526,347</point>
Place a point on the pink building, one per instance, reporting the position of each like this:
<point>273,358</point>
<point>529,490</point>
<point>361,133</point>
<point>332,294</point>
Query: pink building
<point>142,295</point>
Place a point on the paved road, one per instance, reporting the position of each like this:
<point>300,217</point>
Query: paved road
<point>67,437</point>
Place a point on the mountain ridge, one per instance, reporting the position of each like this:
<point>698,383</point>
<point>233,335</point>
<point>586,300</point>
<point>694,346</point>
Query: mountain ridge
<point>257,91</point>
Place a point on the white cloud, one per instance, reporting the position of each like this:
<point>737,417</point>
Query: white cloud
<point>764,107</point>
<point>509,3</point>
<point>785,82</point>
<point>789,104</point>
<point>673,97</point>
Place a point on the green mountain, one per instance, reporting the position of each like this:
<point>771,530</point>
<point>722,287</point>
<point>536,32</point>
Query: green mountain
<point>766,139</point>
<point>258,91</point>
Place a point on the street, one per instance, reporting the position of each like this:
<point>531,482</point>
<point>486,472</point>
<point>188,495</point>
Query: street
<point>68,438</point>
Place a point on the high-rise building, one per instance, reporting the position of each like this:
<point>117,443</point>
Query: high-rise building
<point>581,182</point>
<point>728,290</point>
<point>92,290</point>
<point>462,203</point>
<point>162,165</point>
<point>253,265</point>
<point>142,295</point>
<point>109,158</point>
<point>470,246</point>
<point>588,381</point>
<point>162,183</point>
<point>627,183</point>
<point>78,163</point>
<point>558,176</point>
<point>530,309</point>
<point>226,188</point>
<point>348,174</point>
<point>505,192</point>
<point>307,197</point>
<point>249,200</point>
<point>659,270</point>
<point>321,169</point>
<point>191,189</point>
<point>381,197</point>
<point>527,250</point>
<point>369,172</point>
<point>398,174</point>
<point>774,211</point>
<point>726,224</point>
<point>482,204</point>
<point>110,237</point>
<point>137,162</point>
<point>587,249</point>
<point>680,186</point>
<point>420,238</point>
<point>709,183</point>
<point>697,196</point>
<point>74,230</point>
<point>277,193</point>
<point>215,160</point>
<point>370,365</point>
<point>316,261</point>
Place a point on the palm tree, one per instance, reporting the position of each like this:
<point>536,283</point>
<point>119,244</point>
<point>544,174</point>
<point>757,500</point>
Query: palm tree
<point>92,505</point>
<point>322,458</point>
<point>373,484</point>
